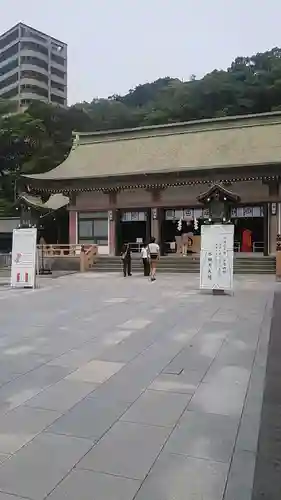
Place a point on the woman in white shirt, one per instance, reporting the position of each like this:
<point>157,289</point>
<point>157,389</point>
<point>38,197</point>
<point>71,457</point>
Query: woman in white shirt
<point>154,253</point>
<point>145,261</point>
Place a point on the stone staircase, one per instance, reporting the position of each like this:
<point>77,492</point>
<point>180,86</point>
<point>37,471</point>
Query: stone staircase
<point>173,264</point>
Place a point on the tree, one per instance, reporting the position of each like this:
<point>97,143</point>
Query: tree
<point>21,137</point>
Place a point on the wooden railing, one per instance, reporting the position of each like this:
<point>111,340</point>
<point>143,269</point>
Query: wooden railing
<point>60,250</point>
<point>88,257</point>
<point>87,254</point>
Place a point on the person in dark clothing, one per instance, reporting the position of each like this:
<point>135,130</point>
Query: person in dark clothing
<point>126,260</point>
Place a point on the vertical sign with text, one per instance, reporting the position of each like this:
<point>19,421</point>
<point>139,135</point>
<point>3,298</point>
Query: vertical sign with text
<point>216,257</point>
<point>23,272</point>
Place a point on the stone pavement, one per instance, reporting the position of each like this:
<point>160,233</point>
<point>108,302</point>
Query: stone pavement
<point>121,389</point>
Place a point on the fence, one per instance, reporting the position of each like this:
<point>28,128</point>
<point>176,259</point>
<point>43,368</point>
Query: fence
<point>5,260</point>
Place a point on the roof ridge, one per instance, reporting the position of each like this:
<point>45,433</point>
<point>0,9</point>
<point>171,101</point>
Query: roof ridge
<point>257,117</point>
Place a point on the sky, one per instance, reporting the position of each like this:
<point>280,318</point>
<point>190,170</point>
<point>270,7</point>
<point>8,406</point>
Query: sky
<point>114,45</point>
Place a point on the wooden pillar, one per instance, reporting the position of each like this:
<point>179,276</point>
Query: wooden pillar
<point>148,226</point>
<point>73,229</point>
<point>156,215</point>
<point>113,221</point>
<point>155,232</point>
<point>112,232</point>
<point>272,216</point>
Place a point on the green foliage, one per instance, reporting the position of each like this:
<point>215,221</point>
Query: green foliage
<point>249,85</point>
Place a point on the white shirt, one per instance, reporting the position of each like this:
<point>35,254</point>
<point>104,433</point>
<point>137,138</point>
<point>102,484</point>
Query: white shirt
<point>153,248</point>
<point>144,253</point>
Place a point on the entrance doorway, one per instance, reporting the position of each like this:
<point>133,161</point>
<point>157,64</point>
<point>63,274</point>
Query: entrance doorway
<point>249,232</point>
<point>170,229</point>
<point>255,226</point>
<point>134,228</point>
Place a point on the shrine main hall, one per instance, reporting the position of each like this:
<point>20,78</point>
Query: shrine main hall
<point>129,185</point>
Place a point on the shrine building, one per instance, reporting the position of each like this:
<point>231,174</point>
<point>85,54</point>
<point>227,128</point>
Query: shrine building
<point>128,185</point>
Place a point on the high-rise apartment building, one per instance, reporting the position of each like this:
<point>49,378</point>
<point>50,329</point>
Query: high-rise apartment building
<point>33,67</point>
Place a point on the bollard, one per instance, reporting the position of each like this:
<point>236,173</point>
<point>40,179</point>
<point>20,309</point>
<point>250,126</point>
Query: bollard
<point>278,257</point>
<point>82,259</point>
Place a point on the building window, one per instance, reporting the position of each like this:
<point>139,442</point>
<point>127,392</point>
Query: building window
<point>93,228</point>
<point>34,89</point>
<point>57,59</point>
<point>11,93</point>
<point>9,81</point>
<point>57,72</point>
<point>9,38</point>
<point>56,99</point>
<point>36,47</point>
<point>58,86</point>
<point>26,102</point>
<point>34,61</point>
<point>9,67</point>
<point>34,75</point>
<point>29,33</point>
<point>12,51</point>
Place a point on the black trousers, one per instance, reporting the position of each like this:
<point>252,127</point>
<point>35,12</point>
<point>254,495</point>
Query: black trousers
<point>146,267</point>
<point>127,267</point>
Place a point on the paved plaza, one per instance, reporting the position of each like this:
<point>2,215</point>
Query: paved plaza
<point>121,389</point>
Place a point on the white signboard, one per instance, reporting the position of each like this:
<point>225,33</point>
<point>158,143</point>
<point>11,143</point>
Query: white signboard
<point>216,257</point>
<point>23,273</point>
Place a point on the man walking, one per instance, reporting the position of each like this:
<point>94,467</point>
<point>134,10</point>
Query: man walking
<point>126,260</point>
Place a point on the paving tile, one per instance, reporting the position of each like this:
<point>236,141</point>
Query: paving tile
<point>84,484</point>
<point>6,496</point>
<point>127,450</point>
<point>219,399</point>
<point>127,349</point>
<point>90,418</point>
<point>38,467</point>
<point>176,477</point>
<point>228,375</point>
<point>19,363</point>
<point>186,361</point>
<point>184,383</point>
<point>20,425</point>
<point>74,358</point>
<point>96,371</point>
<point>116,337</point>
<point>204,435</point>
<point>62,396</point>
<point>116,300</point>
<point>247,439</point>
<point>241,476</point>
<point>29,385</point>
<point>136,324</point>
<point>157,408</point>
<point>232,354</point>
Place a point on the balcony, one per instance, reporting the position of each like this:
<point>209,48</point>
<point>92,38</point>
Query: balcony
<point>32,66</point>
<point>33,53</point>
<point>33,97</point>
<point>34,81</point>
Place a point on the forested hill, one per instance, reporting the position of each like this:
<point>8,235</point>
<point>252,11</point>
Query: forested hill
<point>250,85</point>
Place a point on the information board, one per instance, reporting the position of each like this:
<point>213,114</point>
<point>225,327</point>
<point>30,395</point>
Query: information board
<point>23,274</point>
<point>216,257</point>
